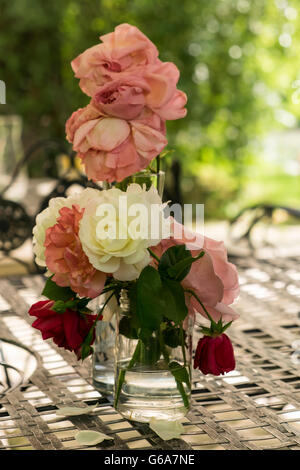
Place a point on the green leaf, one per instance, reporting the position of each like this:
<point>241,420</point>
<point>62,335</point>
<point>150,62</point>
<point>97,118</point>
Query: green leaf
<point>150,301</point>
<point>81,303</point>
<point>176,262</point>
<point>128,327</point>
<point>171,257</point>
<point>181,269</point>
<point>171,336</point>
<point>175,306</point>
<point>226,326</point>
<point>158,298</point>
<point>86,350</point>
<point>72,304</point>
<point>89,337</point>
<point>179,372</point>
<point>206,331</point>
<point>132,294</point>
<point>144,334</point>
<point>77,304</point>
<point>54,292</point>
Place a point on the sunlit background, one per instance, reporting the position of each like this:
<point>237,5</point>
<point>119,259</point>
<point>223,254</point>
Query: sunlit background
<point>238,147</point>
<point>240,67</point>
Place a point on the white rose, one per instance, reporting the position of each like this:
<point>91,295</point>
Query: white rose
<point>48,217</point>
<point>117,228</point>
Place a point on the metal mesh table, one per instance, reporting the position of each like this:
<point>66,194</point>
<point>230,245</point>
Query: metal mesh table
<point>257,406</point>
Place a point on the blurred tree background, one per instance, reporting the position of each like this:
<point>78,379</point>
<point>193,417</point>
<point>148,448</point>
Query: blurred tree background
<point>240,67</point>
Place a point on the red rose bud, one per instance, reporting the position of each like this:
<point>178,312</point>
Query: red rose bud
<point>67,329</point>
<point>214,355</point>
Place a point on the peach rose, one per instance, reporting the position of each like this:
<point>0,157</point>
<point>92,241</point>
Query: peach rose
<point>66,258</point>
<point>112,148</point>
<point>125,49</point>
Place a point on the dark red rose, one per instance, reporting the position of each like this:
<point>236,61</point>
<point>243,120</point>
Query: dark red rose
<point>214,355</point>
<point>67,329</point>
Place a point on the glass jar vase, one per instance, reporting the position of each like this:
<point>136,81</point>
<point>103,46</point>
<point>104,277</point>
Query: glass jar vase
<point>103,361</point>
<point>104,345</point>
<point>152,374</point>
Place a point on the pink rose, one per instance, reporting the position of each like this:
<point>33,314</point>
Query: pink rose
<point>201,279</point>
<point>66,258</point>
<point>126,96</point>
<point>112,148</point>
<point>164,99</point>
<point>213,279</point>
<point>129,60</point>
<point>125,49</point>
<point>225,270</point>
<point>123,97</point>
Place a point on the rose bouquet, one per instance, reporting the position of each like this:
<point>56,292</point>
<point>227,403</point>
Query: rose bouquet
<point>119,242</point>
<point>132,93</point>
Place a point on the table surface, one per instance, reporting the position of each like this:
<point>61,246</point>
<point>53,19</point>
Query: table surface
<point>255,407</point>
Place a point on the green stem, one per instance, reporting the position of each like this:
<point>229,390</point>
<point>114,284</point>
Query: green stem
<point>157,164</point>
<point>158,171</point>
<point>183,394</point>
<point>184,355</point>
<point>86,344</point>
<point>167,359</point>
<point>108,289</point>
<point>101,310</point>
<point>163,347</point>
<point>197,298</point>
<point>135,356</point>
<point>182,344</point>
<point>122,373</point>
<point>179,384</point>
<point>121,379</point>
<point>115,285</point>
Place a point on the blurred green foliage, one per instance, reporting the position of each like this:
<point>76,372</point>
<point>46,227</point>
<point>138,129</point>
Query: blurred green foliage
<point>239,62</point>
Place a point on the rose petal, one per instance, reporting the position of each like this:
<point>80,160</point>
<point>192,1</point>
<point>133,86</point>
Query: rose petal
<point>108,134</point>
<point>166,429</point>
<point>74,410</point>
<point>90,438</point>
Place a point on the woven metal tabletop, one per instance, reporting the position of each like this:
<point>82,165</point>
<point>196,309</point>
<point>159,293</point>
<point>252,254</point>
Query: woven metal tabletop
<point>257,406</point>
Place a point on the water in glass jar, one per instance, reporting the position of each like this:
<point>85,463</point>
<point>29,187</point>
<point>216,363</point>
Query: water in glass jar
<point>150,393</point>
